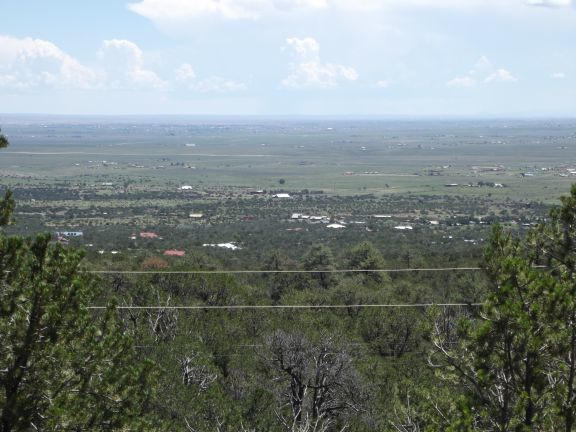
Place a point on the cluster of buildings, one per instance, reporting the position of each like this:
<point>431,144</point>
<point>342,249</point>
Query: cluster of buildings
<point>230,245</point>
<point>307,218</point>
<point>65,236</point>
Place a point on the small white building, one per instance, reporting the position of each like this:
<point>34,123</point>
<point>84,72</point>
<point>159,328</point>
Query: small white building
<point>282,195</point>
<point>230,245</point>
<point>319,218</point>
<point>196,215</point>
<point>69,233</point>
<point>336,226</point>
<point>186,187</point>
<point>403,227</point>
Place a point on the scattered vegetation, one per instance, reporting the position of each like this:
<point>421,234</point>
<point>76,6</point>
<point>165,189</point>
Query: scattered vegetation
<point>502,359</point>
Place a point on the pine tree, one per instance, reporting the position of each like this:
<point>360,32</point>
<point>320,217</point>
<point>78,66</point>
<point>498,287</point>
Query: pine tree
<point>317,258</point>
<point>3,140</point>
<point>62,366</point>
<point>516,361</point>
<point>6,203</point>
<point>364,256</point>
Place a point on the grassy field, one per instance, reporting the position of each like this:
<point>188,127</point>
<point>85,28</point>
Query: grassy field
<point>337,157</point>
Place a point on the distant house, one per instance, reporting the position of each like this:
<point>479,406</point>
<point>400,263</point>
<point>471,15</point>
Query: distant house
<point>381,216</point>
<point>319,218</point>
<point>282,195</point>
<point>174,252</point>
<point>336,226</point>
<point>195,215</point>
<point>230,245</point>
<point>451,185</point>
<point>186,187</point>
<point>148,235</point>
<point>403,227</point>
<point>69,234</point>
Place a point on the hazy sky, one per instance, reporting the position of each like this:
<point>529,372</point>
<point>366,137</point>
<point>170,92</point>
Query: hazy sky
<point>329,57</point>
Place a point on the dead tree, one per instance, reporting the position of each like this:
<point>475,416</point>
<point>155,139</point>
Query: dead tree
<point>163,322</point>
<point>316,383</point>
<point>194,374</point>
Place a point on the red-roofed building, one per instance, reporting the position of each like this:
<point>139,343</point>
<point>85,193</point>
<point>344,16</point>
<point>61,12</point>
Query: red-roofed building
<point>174,252</point>
<point>148,235</point>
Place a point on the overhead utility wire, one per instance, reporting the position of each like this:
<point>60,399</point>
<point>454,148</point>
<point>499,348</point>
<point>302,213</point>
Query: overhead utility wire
<point>177,272</point>
<point>339,306</point>
<point>405,270</point>
<point>401,270</point>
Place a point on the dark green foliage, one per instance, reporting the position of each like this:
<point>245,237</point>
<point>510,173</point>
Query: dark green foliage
<point>7,205</point>
<point>3,140</point>
<point>364,256</point>
<point>320,258</point>
<point>515,365</point>
<point>502,361</point>
<point>63,367</point>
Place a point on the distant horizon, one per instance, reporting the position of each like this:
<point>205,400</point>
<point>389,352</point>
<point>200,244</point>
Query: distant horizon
<point>6,117</point>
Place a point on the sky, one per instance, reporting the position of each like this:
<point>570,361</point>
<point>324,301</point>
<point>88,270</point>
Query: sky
<point>421,58</point>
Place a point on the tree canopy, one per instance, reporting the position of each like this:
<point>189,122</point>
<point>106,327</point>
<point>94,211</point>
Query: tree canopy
<point>516,361</point>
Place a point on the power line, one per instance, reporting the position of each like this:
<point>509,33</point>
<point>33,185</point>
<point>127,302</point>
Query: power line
<point>340,306</point>
<point>215,272</point>
<point>401,270</point>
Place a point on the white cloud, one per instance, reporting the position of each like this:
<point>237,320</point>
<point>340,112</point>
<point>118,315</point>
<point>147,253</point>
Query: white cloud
<point>165,12</point>
<point>185,73</point>
<point>383,84</point>
<point>308,70</point>
<point>461,82</point>
<point>290,5</point>
<point>307,49</point>
<point>123,62</point>
<point>32,64</point>
<point>558,75</point>
<point>483,71</point>
<point>169,12</point>
<point>186,77</point>
<point>184,10</point>
<point>501,75</point>
<point>550,3</point>
<point>444,4</point>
